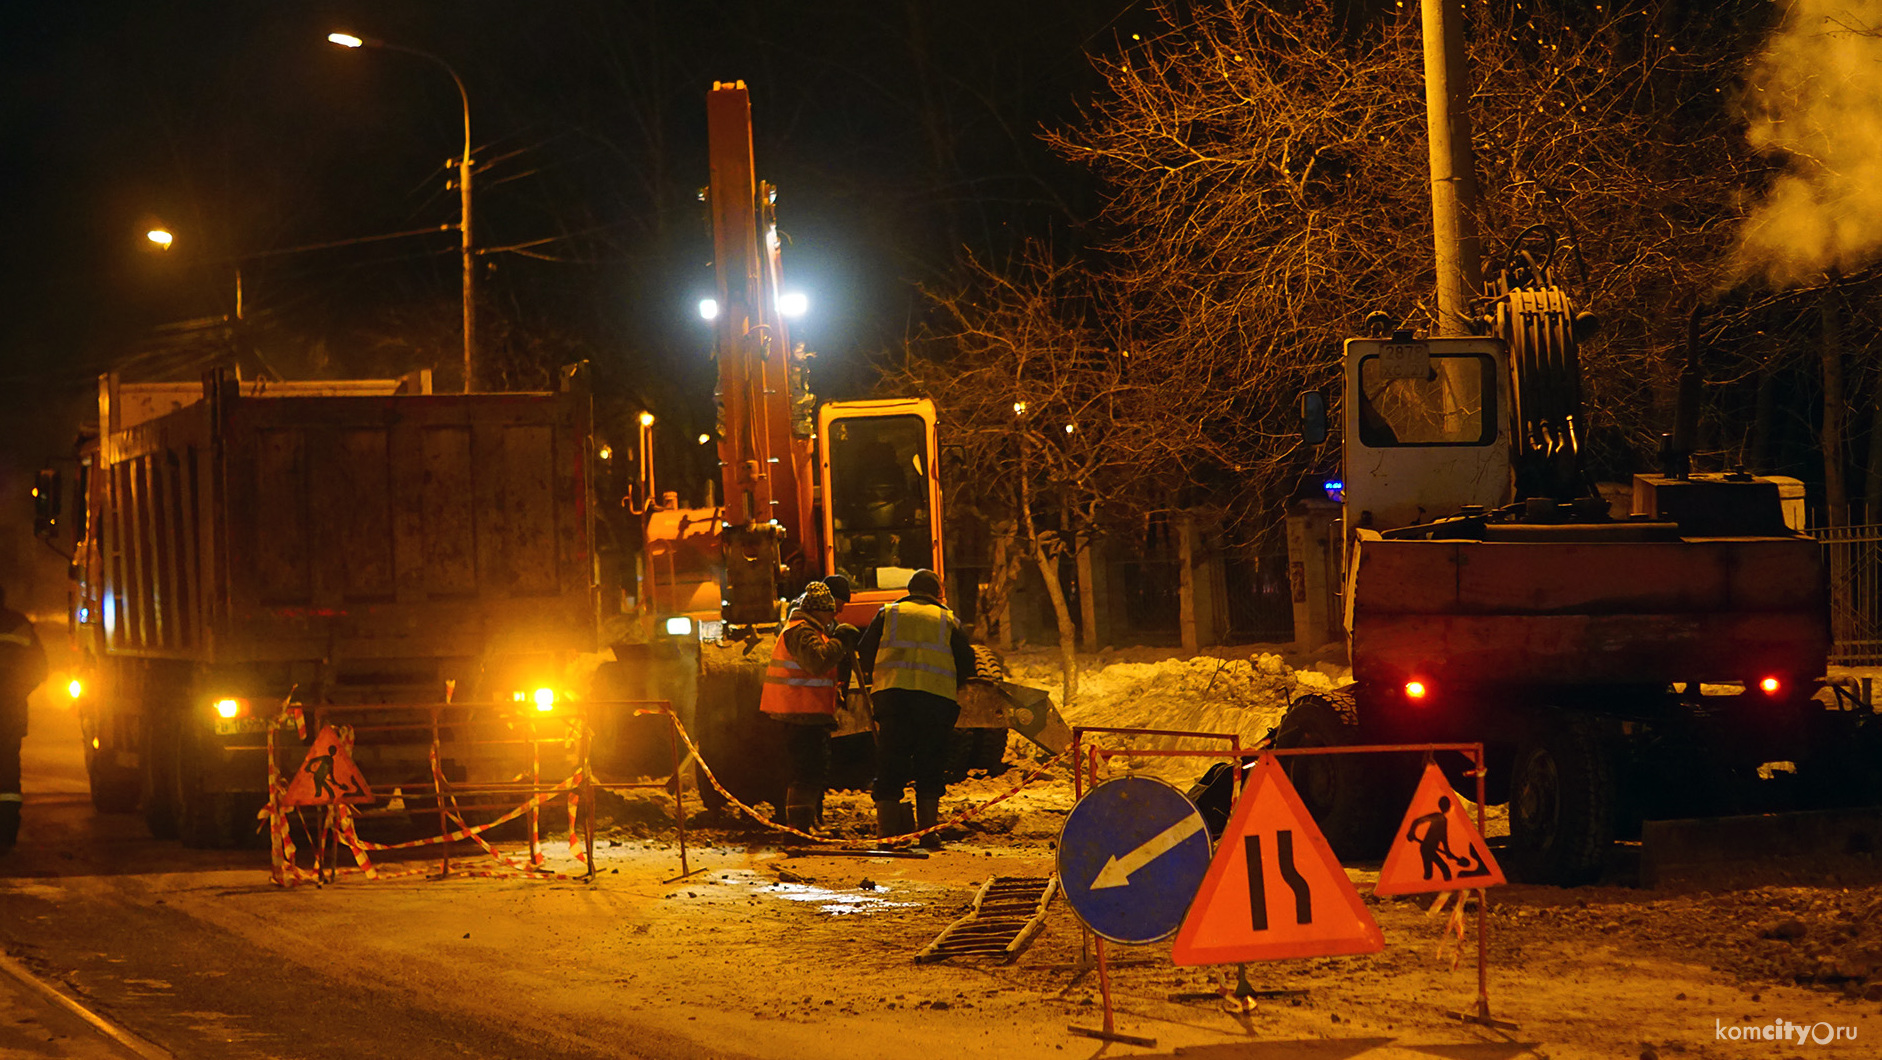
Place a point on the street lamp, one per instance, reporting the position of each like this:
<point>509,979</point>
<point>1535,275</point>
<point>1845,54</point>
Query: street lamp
<point>162,238</point>
<point>347,40</point>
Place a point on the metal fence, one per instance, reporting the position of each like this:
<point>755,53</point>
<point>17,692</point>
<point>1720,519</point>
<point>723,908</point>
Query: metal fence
<point>1853,555</point>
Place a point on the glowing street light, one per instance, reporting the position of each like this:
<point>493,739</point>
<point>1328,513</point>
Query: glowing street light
<point>162,239</point>
<point>347,40</point>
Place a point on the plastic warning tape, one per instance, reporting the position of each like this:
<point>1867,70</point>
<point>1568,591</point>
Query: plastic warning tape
<point>900,840</point>
<point>284,867</point>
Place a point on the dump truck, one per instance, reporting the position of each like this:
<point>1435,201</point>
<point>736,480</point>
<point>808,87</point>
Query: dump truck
<point>240,544</point>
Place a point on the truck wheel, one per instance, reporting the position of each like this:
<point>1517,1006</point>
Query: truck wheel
<point>159,778</point>
<point>114,790</point>
<point>1562,805</point>
<point>204,820</point>
<point>1354,801</point>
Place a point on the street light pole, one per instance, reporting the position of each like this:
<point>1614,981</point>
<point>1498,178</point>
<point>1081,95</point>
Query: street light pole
<point>345,40</point>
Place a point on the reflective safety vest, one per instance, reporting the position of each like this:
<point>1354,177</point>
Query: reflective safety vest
<point>791,689</point>
<point>916,649</point>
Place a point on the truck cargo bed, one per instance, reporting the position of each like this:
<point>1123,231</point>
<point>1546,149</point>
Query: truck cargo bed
<point>1586,612</point>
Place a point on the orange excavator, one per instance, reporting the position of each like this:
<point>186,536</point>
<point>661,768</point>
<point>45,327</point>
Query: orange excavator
<point>848,487</point>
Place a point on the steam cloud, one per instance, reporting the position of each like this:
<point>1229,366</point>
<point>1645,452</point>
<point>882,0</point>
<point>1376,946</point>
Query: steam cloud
<point>1814,102</point>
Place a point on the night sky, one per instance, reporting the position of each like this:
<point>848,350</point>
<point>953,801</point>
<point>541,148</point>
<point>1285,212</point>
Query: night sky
<point>898,135</point>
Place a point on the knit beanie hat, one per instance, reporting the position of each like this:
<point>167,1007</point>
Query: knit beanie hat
<point>925,582</point>
<point>817,598</point>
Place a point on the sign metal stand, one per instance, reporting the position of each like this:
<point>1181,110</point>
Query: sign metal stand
<point>1240,996</point>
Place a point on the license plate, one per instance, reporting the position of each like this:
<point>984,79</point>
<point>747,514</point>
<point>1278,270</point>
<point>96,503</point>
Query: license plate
<point>238,726</point>
<point>1405,360</point>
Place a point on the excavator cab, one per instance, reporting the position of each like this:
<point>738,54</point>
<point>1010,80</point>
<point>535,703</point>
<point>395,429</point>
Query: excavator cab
<point>1426,432</point>
<point>881,495</point>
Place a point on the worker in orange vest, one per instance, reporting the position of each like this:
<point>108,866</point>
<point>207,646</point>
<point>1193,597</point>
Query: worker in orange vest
<point>800,693</point>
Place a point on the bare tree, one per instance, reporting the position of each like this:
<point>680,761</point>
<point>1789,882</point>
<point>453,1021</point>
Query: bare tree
<point>1039,404</point>
<point>1268,189</point>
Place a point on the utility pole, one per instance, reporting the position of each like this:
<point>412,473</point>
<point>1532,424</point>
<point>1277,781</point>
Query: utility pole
<point>348,40</point>
<point>1459,249</point>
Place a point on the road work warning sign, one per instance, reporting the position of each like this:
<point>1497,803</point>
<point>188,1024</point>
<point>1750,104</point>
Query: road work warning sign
<point>1274,889</point>
<point>1436,847</point>
<point>327,775</point>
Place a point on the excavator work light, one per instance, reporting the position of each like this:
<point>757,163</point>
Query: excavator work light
<point>545,699</point>
<point>679,626</point>
<point>75,688</point>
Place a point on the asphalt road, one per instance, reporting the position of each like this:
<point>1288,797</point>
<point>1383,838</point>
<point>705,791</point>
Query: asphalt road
<point>85,905</point>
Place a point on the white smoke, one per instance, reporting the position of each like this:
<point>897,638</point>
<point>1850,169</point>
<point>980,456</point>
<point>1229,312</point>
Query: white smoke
<point>1814,102</point>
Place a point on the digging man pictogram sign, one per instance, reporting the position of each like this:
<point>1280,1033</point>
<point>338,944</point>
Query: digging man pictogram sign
<point>1436,847</point>
<point>327,775</point>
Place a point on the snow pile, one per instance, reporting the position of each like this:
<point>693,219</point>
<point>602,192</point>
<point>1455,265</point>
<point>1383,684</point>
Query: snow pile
<point>1224,692</point>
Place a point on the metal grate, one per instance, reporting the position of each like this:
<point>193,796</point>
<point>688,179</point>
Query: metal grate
<point>1007,914</point>
<point>1853,556</point>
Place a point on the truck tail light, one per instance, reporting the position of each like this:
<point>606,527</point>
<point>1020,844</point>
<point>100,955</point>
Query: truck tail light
<point>1770,686</point>
<point>230,707</point>
<point>1416,691</point>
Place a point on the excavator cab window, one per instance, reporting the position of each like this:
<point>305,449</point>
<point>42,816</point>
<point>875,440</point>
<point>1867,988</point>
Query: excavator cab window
<point>1452,401</point>
<point>879,514</point>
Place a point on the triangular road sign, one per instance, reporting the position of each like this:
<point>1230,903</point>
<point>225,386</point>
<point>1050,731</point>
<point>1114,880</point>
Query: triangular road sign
<point>1274,889</point>
<point>327,775</point>
<point>1436,848</point>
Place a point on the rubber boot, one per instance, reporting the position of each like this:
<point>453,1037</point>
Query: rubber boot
<point>800,809</point>
<point>927,815</point>
<point>891,819</point>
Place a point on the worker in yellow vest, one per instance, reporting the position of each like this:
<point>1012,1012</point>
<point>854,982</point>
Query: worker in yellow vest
<point>800,693</point>
<point>917,656</point>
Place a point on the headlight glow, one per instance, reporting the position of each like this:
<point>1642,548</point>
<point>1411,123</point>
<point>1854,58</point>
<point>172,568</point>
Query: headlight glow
<point>228,708</point>
<point>75,688</point>
<point>679,626</point>
<point>545,699</point>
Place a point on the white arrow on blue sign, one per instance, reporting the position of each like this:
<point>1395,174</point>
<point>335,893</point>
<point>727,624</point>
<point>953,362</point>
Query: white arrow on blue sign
<point>1131,856</point>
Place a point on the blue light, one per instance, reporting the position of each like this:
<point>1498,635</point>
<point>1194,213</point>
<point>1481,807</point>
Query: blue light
<point>1335,490</point>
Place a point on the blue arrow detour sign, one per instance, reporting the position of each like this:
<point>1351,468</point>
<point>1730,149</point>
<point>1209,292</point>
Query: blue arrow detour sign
<point>1131,855</point>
